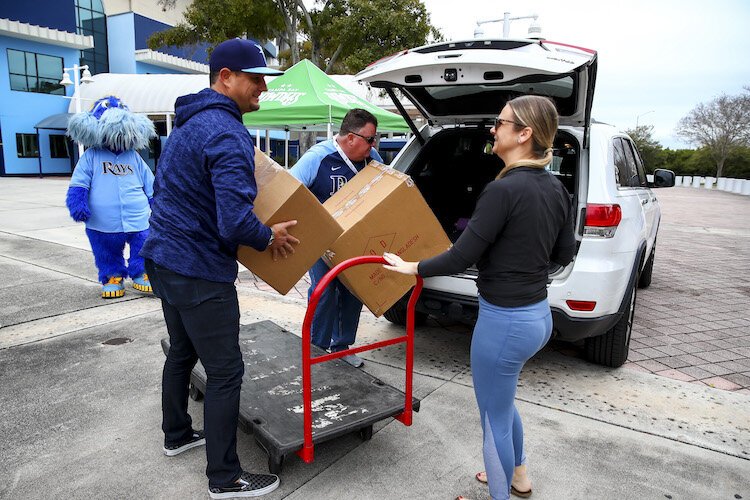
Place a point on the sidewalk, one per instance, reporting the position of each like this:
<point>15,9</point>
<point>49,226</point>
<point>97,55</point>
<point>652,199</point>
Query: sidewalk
<point>80,399</point>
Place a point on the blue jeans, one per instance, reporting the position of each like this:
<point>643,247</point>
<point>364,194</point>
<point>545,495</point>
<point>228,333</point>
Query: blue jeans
<point>203,321</point>
<point>336,318</point>
<point>504,339</point>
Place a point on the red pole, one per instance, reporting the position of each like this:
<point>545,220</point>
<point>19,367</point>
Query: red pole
<point>406,417</point>
<point>306,453</point>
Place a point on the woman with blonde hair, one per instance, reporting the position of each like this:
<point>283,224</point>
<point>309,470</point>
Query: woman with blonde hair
<point>521,222</point>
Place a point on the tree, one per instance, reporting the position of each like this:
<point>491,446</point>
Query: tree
<point>721,126</point>
<point>341,35</point>
<point>214,21</point>
<point>350,34</point>
<point>650,149</point>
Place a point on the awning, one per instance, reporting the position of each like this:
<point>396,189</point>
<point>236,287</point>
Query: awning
<point>56,122</point>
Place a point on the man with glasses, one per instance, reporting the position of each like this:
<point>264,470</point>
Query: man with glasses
<point>324,169</point>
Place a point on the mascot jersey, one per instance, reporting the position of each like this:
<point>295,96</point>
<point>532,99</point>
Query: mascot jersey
<point>119,189</point>
<point>323,171</point>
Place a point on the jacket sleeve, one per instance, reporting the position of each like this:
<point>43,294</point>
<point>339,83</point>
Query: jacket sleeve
<point>468,249</point>
<point>565,244</point>
<point>230,159</point>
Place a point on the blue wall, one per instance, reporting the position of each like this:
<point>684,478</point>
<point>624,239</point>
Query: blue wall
<point>20,111</point>
<point>60,14</point>
<point>142,68</point>
<point>121,43</point>
<point>145,27</point>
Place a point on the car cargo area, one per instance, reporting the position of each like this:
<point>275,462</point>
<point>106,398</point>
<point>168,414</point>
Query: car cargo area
<point>455,165</point>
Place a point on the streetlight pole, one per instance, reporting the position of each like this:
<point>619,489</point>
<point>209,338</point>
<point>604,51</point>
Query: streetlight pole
<point>78,79</point>
<point>642,114</point>
<point>506,19</point>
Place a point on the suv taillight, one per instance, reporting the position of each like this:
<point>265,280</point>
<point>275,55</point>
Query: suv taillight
<point>602,220</point>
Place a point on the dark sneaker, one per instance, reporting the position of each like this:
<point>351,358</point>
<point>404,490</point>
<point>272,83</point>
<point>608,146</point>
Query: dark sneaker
<point>197,439</point>
<point>248,485</point>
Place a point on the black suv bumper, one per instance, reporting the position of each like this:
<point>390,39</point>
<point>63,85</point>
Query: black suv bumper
<point>465,309</point>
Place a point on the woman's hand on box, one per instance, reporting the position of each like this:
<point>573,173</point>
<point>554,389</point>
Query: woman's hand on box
<point>399,265</point>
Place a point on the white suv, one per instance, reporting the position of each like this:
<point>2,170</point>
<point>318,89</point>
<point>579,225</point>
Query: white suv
<point>460,87</point>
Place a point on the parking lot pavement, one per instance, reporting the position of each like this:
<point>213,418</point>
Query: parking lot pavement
<point>693,323</point>
<point>81,396</point>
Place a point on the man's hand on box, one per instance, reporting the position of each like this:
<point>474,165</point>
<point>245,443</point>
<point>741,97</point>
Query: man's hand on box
<point>282,240</point>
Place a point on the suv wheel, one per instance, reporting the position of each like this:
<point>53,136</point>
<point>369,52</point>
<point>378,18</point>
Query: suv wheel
<point>611,349</point>
<point>397,314</point>
<point>645,279</point>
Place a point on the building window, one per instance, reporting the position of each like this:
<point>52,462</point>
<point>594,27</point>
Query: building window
<point>91,21</point>
<point>32,72</point>
<point>27,145</point>
<point>58,146</point>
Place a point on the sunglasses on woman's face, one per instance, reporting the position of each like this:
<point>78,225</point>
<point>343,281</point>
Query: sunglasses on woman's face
<point>499,121</point>
<point>370,140</point>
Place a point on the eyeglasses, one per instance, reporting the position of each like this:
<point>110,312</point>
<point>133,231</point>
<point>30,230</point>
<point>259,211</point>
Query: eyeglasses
<point>499,121</point>
<point>370,140</point>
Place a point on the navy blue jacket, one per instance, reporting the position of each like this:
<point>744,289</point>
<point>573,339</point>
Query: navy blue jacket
<point>204,191</point>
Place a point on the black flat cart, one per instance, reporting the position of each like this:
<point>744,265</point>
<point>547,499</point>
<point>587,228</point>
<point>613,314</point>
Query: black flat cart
<point>277,392</point>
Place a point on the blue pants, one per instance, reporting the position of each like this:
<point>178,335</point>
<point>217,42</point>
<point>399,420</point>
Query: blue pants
<point>504,339</point>
<point>108,251</point>
<point>203,321</point>
<point>336,318</point>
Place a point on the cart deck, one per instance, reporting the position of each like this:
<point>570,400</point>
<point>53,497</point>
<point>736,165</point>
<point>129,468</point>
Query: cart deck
<point>344,399</point>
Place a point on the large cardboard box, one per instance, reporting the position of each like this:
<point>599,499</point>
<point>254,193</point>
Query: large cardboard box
<point>280,198</point>
<point>381,210</point>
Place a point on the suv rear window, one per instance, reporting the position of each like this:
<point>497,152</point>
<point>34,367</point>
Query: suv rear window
<point>463,100</point>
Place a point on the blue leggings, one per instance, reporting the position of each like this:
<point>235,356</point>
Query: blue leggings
<point>504,339</point>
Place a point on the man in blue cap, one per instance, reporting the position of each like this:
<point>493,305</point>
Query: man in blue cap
<point>203,209</point>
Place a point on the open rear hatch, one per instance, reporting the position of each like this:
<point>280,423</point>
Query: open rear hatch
<point>469,82</point>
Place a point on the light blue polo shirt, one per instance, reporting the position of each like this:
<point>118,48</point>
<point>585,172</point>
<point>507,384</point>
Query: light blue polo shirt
<point>119,185</point>
<point>322,170</point>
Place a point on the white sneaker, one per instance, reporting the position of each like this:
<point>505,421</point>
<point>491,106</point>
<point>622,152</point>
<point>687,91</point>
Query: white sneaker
<point>354,360</point>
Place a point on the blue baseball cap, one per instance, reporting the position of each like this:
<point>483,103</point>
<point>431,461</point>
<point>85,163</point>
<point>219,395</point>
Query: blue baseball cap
<point>238,54</point>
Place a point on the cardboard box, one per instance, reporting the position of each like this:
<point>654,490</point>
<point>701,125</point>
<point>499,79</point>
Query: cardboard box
<point>280,198</point>
<point>381,210</point>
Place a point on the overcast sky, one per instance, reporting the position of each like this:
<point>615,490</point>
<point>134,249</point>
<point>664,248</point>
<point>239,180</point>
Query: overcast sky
<point>657,58</point>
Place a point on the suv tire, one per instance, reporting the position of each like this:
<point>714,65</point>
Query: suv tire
<point>645,278</point>
<point>397,314</point>
<point>611,349</point>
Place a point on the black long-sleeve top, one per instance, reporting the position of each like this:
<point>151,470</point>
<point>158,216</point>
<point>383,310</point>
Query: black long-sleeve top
<point>520,223</point>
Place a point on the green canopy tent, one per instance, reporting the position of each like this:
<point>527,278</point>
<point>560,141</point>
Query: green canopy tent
<point>305,98</point>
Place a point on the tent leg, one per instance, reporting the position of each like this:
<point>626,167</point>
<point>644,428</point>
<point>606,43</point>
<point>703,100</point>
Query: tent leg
<point>286,150</point>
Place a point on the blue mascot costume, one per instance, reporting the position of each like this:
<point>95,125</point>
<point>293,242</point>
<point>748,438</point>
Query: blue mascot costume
<point>111,190</point>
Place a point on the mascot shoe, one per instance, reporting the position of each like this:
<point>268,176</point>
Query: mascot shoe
<point>142,284</point>
<point>114,288</point>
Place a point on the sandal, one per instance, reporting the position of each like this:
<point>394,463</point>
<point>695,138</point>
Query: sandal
<point>482,478</point>
<point>522,494</point>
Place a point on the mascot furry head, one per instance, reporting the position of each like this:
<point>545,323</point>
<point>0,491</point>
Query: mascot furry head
<point>111,190</point>
<point>111,125</point>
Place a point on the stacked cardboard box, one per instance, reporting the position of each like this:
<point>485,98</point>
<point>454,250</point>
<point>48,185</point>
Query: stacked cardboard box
<point>381,210</point>
<point>280,198</point>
